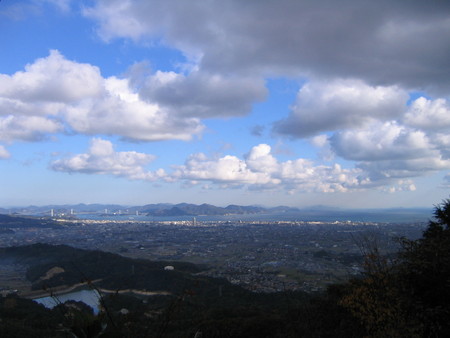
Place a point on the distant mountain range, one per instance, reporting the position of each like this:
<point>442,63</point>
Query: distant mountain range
<point>185,209</point>
<point>160,209</point>
<point>319,213</point>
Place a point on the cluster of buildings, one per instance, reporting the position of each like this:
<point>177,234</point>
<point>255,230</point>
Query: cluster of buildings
<point>261,256</point>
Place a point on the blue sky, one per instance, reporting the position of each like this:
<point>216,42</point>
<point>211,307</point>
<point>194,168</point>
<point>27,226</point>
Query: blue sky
<point>283,102</point>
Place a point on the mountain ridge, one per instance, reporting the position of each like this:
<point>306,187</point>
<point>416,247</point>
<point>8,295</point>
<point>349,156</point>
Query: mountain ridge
<point>205,209</point>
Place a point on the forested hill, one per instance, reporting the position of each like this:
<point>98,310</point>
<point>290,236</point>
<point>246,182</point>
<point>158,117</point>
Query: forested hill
<point>114,271</point>
<point>7,221</point>
<point>185,209</point>
<point>192,302</point>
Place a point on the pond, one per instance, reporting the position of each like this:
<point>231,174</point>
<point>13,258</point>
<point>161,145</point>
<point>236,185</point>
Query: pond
<point>89,297</point>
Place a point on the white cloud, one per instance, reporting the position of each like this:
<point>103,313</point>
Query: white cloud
<point>260,170</point>
<point>319,140</point>
<point>363,59</point>
<point>402,185</point>
<point>27,128</point>
<point>389,150</point>
<point>391,169</point>
<point>52,79</point>
<point>166,106</point>
<point>4,154</point>
<point>121,112</point>
<point>101,158</point>
<point>260,159</point>
<point>323,143</point>
<point>54,92</point>
<point>119,12</point>
<point>31,101</point>
<point>433,115</point>
<point>227,170</point>
<point>442,143</point>
<point>382,141</point>
<point>340,104</point>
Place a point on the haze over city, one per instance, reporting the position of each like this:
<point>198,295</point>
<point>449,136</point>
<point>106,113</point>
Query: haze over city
<point>296,103</point>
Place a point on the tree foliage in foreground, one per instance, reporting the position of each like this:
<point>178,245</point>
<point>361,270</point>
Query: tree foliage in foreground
<point>411,296</point>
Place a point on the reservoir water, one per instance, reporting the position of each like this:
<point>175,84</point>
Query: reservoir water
<point>89,297</point>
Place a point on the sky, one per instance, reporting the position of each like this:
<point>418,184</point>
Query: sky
<point>271,102</point>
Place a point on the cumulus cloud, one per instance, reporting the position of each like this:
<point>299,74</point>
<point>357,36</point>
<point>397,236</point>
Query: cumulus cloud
<point>260,159</point>
<point>227,170</point>
<point>387,141</point>
<point>201,94</point>
<point>120,111</point>
<point>323,143</point>
<point>360,62</point>
<point>402,185</point>
<point>27,128</point>
<point>442,143</point>
<point>320,140</point>
<point>32,100</point>
<point>4,154</point>
<point>54,94</point>
<point>261,170</point>
<point>391,169</point>
<point>102,159</point>
<point>427,114</point>
<point>374,127</point>
<point>380,42</point>
<point>340,104</point>
<point>52,79</point>
<point>390,150</point>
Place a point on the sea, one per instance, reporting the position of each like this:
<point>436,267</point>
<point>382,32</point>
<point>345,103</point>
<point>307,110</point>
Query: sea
<point>380,216</point>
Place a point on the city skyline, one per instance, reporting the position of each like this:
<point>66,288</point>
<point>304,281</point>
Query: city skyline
<point>270,103</point>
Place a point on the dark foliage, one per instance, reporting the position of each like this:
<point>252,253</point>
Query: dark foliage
<point>7,221</point>
<point>409,297</point>
<point>196,304</point>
